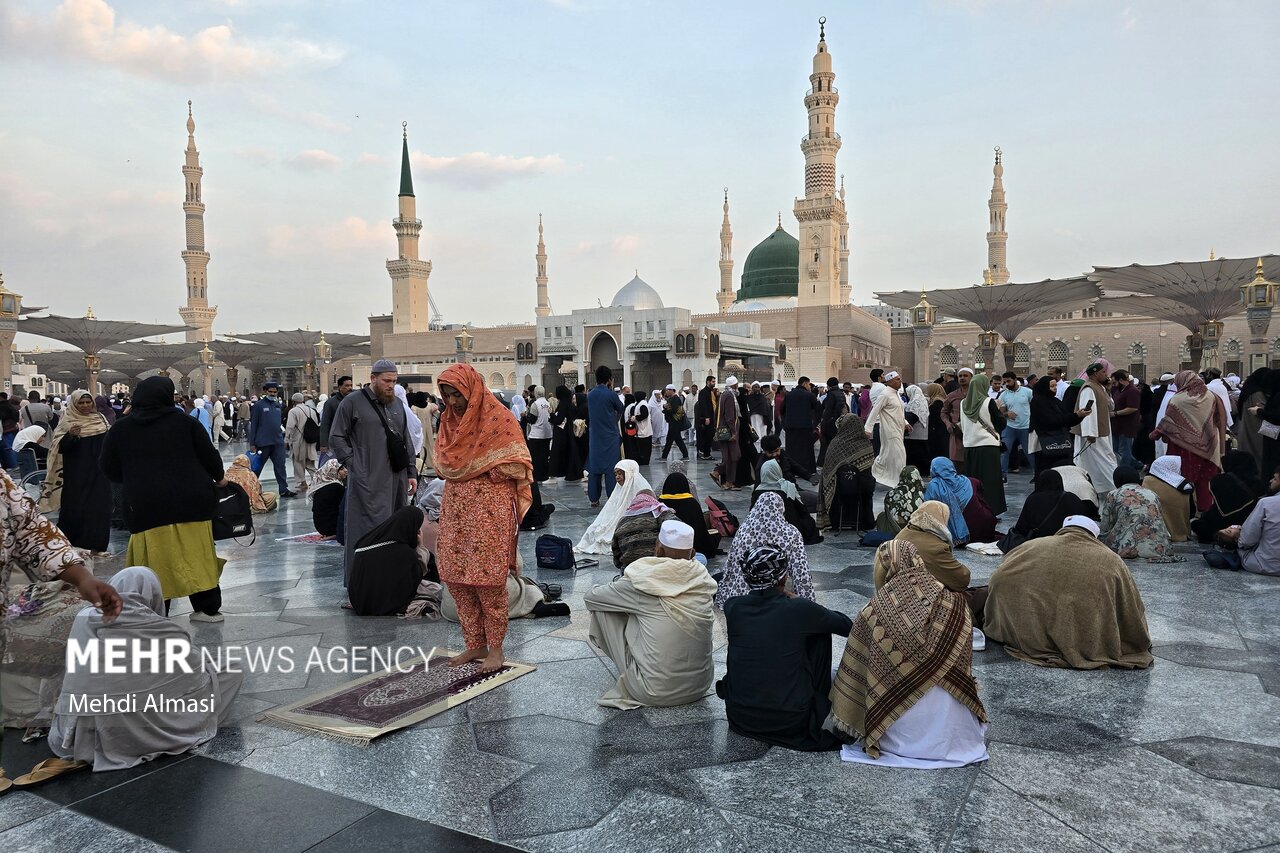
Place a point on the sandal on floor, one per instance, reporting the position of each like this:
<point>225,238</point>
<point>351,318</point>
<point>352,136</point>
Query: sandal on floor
<point>715,477</point>
<point>6,784</point>
<point>49,769</point>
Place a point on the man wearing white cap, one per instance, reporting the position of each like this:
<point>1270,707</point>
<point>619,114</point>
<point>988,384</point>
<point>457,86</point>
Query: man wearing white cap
<point>655,622</point>
<point>726,437</point>
<point>368,426</point>
<point>1067,600</point>
<point>889,413</point>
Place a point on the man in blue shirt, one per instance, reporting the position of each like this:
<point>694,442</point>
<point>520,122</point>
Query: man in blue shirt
<point>266,436</point>
<point>1015,402</point>
<point>603,410</point>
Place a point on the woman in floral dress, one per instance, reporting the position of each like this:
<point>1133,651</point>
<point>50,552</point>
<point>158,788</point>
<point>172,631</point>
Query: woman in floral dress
<point>1132,523</point>
<point>482,456</point>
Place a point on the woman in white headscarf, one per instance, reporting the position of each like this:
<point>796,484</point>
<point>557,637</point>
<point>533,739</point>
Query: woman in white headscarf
<point>410,418</point>
<point>599,536</point>
<point>196,702</point>
<point>656,419</point>
<point>917,441</point>
<point>1164,477</point>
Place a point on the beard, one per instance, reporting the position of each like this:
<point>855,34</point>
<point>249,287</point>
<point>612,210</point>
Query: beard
<point>385,397</point>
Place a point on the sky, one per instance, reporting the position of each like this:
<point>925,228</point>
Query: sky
<point>1138,131</point>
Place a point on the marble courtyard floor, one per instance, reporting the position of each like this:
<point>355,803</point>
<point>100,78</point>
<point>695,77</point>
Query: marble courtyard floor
<point>1182,756</point>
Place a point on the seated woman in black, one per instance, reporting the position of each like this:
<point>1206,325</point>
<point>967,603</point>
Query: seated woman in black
<point>772,480</point>
<point>1043,512</point>
<point>386,569</point>
<point>778,673</point>
<point>679,498</point>
<point>1235,492</point>
<point>325,497</point>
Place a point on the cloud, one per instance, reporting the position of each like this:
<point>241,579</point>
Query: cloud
<point>1128,19</point>
<point>351,236</point>
<point>18,192</point>
<point>585,247</point>
<point>268,105</point>
<point>367,159</point>
<point>260,156</point>
<point>626,244</point>
<point>87,30</point>
<point>317,159</point>
<point>479,170</point>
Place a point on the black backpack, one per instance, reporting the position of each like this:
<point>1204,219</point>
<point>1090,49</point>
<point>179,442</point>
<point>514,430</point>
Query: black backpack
<point>556,552</point>
<point>234,515</point>
<point>847,482</point>
<point>310,429</point>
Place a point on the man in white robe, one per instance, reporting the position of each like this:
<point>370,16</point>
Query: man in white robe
<point>891,415</point>
<point>1218,387</point>
<point>1093,451</point>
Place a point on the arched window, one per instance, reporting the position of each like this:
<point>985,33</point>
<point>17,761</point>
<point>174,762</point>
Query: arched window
<point>1058,354</point>
<point>1095,351</point>
<point>1231,347</point>
<point>948,357</point>
<point>495,380</point>
<point>1021,355</point>
<point>788,372</point>
<point>511,379</point>
<point>1138,352</point>
<point>679,343</point>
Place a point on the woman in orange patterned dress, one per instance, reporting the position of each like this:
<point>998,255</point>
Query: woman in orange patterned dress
<point>482,456</point>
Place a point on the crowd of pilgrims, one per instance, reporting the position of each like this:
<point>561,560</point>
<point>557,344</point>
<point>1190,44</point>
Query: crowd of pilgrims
<point>428,496</point>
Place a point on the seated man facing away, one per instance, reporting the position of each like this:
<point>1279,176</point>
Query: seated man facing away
<point>778,673</point>
<point>905,687</point>
<point>136,728</point>
<point>771,448</point>
<point>1068,601</point>
<point>636,535</point>
<point>655,623</point>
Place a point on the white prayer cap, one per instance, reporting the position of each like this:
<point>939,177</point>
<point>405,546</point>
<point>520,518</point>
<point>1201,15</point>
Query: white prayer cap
<point>968,370</point>
<point>731,381</point>
<point>1166,377</point>
<point>1081,521</point>
<point>672,388</point>
<point>891,375</point>
<point>676,535</point>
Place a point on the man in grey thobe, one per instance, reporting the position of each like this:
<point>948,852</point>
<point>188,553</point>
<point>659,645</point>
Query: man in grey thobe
<point>655,622</point>
<point>359,441</point>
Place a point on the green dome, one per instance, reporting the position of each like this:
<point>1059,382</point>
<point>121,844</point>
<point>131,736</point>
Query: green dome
<point>772,268</point>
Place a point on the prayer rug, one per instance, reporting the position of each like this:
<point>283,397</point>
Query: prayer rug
<point>374,705</point>
<point>311,539</point>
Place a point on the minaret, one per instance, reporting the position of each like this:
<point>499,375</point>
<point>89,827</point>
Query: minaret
<point>410,308</point>
<point>845,288</point>
<point>821,212</point>
<point>197,311</point>
<point>725,296</point>
<point>997,237</point>
<point>544,303</point>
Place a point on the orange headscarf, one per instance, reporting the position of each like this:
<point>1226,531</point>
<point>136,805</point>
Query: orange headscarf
<point>485,438</point>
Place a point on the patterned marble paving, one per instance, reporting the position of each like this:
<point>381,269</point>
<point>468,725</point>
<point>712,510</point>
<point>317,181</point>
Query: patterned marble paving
<point>1184,756</point>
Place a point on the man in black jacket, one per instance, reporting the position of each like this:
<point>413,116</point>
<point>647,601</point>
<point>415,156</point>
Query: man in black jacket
<point>330,412</point>
<point>677,420</point>
<point>833,406</point>
<point>800,415</point>
<point>704,412</point>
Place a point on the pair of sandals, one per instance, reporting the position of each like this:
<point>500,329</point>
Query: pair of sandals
<point>45,771</point>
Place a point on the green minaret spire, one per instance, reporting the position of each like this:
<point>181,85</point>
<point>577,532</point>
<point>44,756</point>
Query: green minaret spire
<point>406,178</point>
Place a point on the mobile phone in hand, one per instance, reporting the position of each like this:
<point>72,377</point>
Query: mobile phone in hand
<point>1088,407</point>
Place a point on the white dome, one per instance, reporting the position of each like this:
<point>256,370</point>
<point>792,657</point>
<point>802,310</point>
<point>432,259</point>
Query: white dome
<point>639,295</point>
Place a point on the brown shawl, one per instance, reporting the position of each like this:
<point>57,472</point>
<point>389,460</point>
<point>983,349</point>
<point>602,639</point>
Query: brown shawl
<point>912,636</point>
<point>1068,601</point>
<point>91,424</point>
<point>1191,420</point>
<point>1102,407</point>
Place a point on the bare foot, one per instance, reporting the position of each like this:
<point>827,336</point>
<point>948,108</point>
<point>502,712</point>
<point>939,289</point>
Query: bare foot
<point>493,661</point>
<point>469,655</point>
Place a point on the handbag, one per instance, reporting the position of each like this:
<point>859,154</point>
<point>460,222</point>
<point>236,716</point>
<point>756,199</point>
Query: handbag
<point>556,552</point>
<point>722,521</point>
<point>1269,430</point>
<point>397,453</point>
<point>1055,442</point>
<point>723,434</point>
<point>579,428</point>
<point>234,515</point>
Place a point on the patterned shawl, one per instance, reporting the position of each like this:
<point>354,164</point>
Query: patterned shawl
<point>918,405</point>
<point>1190,420</point>
<point>935,392</point>
<point>914,635</point>
<point>91,424</point>
<point>905,498</point>
<point>849,447</point>
<point>483,440</point>
<point>954,491</point>
<point>328,475</point>
<point>766,525</point>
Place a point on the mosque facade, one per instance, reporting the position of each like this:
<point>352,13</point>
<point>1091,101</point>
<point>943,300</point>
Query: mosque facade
<point>789,317</point>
